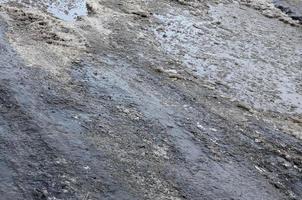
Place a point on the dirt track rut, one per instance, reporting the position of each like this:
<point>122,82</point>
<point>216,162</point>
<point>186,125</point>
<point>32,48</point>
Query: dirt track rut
<point>107,107</point>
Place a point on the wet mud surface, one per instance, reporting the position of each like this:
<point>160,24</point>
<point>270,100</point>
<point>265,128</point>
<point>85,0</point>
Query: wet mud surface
<point>291,7</point>
<point>243,57</point>
<point>151,100</point>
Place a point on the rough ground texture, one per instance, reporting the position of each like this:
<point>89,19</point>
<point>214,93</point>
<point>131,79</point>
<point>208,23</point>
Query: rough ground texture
<point>154,99</point>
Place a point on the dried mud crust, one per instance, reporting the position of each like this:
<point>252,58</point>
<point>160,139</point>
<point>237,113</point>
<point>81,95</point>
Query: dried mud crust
<point>124,116</point>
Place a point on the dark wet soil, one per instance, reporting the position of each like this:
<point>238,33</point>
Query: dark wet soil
<point>291,7</point>
<point>123,104</point>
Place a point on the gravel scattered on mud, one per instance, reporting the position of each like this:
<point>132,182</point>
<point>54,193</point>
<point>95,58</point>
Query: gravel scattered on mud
<point>151,100</point>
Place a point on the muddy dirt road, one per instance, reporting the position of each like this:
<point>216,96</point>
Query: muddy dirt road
<point>150,100</point>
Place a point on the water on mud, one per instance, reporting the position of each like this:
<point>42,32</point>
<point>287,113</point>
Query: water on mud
<point>67,10</point>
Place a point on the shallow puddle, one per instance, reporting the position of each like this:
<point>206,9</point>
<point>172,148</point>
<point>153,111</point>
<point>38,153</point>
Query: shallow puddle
<point>67,10</point>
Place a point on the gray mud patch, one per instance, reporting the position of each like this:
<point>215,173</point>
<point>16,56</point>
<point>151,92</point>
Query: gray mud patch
<point>100,113</point>
<point>254,62</point>
<point>68,10</point>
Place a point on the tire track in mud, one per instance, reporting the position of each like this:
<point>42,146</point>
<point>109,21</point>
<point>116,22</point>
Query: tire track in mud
<point>45,160</point>
<point>243,142</point>
<point>188,154</point>
<point>31,153</point>
<point>117,127</point>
